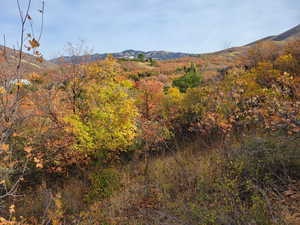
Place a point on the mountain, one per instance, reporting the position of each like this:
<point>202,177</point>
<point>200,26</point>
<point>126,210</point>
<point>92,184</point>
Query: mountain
<point>127,54</point>
<point>218,63</point>
<point>289,35</point>
<point>9,62</point>
<point>165,55</point>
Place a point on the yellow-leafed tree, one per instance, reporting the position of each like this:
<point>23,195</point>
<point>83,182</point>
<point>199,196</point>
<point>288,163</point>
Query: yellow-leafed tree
<point>108,123</point>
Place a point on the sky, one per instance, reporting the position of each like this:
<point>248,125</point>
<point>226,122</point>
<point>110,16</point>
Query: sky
<point>191,26</point>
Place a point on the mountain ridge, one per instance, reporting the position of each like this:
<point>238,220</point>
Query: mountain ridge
<point>166,55</point>
<point>126,54</point>
<point>9,60</point>
<point>130,54</point>
<point>290,34</point>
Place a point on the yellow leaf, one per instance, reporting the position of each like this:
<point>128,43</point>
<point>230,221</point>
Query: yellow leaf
<point>39,165</point>
<point>5,147</point>
<point>19,84</point>
<point>36,160</point>
<point>34,43</point>
<point>2,90</point>
<point>12,209</point>
<point>39,59</point>
<point>28,149</point>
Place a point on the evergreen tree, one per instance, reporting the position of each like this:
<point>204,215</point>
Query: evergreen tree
<point>191,79</point>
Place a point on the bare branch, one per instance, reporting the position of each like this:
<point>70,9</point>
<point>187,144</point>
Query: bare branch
<point>23,22</point>
<point>42,22</point>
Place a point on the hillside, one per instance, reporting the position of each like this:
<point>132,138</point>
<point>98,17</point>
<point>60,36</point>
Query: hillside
<point>9,62</point>
<point>288,35</point>
<point>178,139</point>
<point>118,142</point>
<point>291,34</point>
<point>171,64</point>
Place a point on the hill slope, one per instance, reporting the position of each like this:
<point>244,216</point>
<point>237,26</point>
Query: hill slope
<point>288,35</point>
<point>9,61</point>
<point>165,55</point>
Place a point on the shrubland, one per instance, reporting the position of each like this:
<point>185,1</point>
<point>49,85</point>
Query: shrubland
<point>95,143</point>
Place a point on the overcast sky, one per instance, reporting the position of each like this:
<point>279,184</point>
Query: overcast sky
<point>193,26</point>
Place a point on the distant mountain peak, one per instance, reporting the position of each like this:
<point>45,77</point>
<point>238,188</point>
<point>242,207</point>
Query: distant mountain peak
<point>130,51</point>
<point>291,34</point>
<point>126,54</point>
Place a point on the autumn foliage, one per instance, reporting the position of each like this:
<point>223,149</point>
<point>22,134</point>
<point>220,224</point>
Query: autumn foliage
<point>108,113</point>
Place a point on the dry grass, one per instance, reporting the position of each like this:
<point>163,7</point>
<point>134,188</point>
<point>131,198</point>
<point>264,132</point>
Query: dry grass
<point>191,186</point>
<point>202,187</point>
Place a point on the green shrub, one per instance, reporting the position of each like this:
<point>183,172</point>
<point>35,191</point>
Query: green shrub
<point>103,184</point>
<point>267,161</point>
<point>240,184</point>
<point>248,176</point>
<point>191,79</point>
